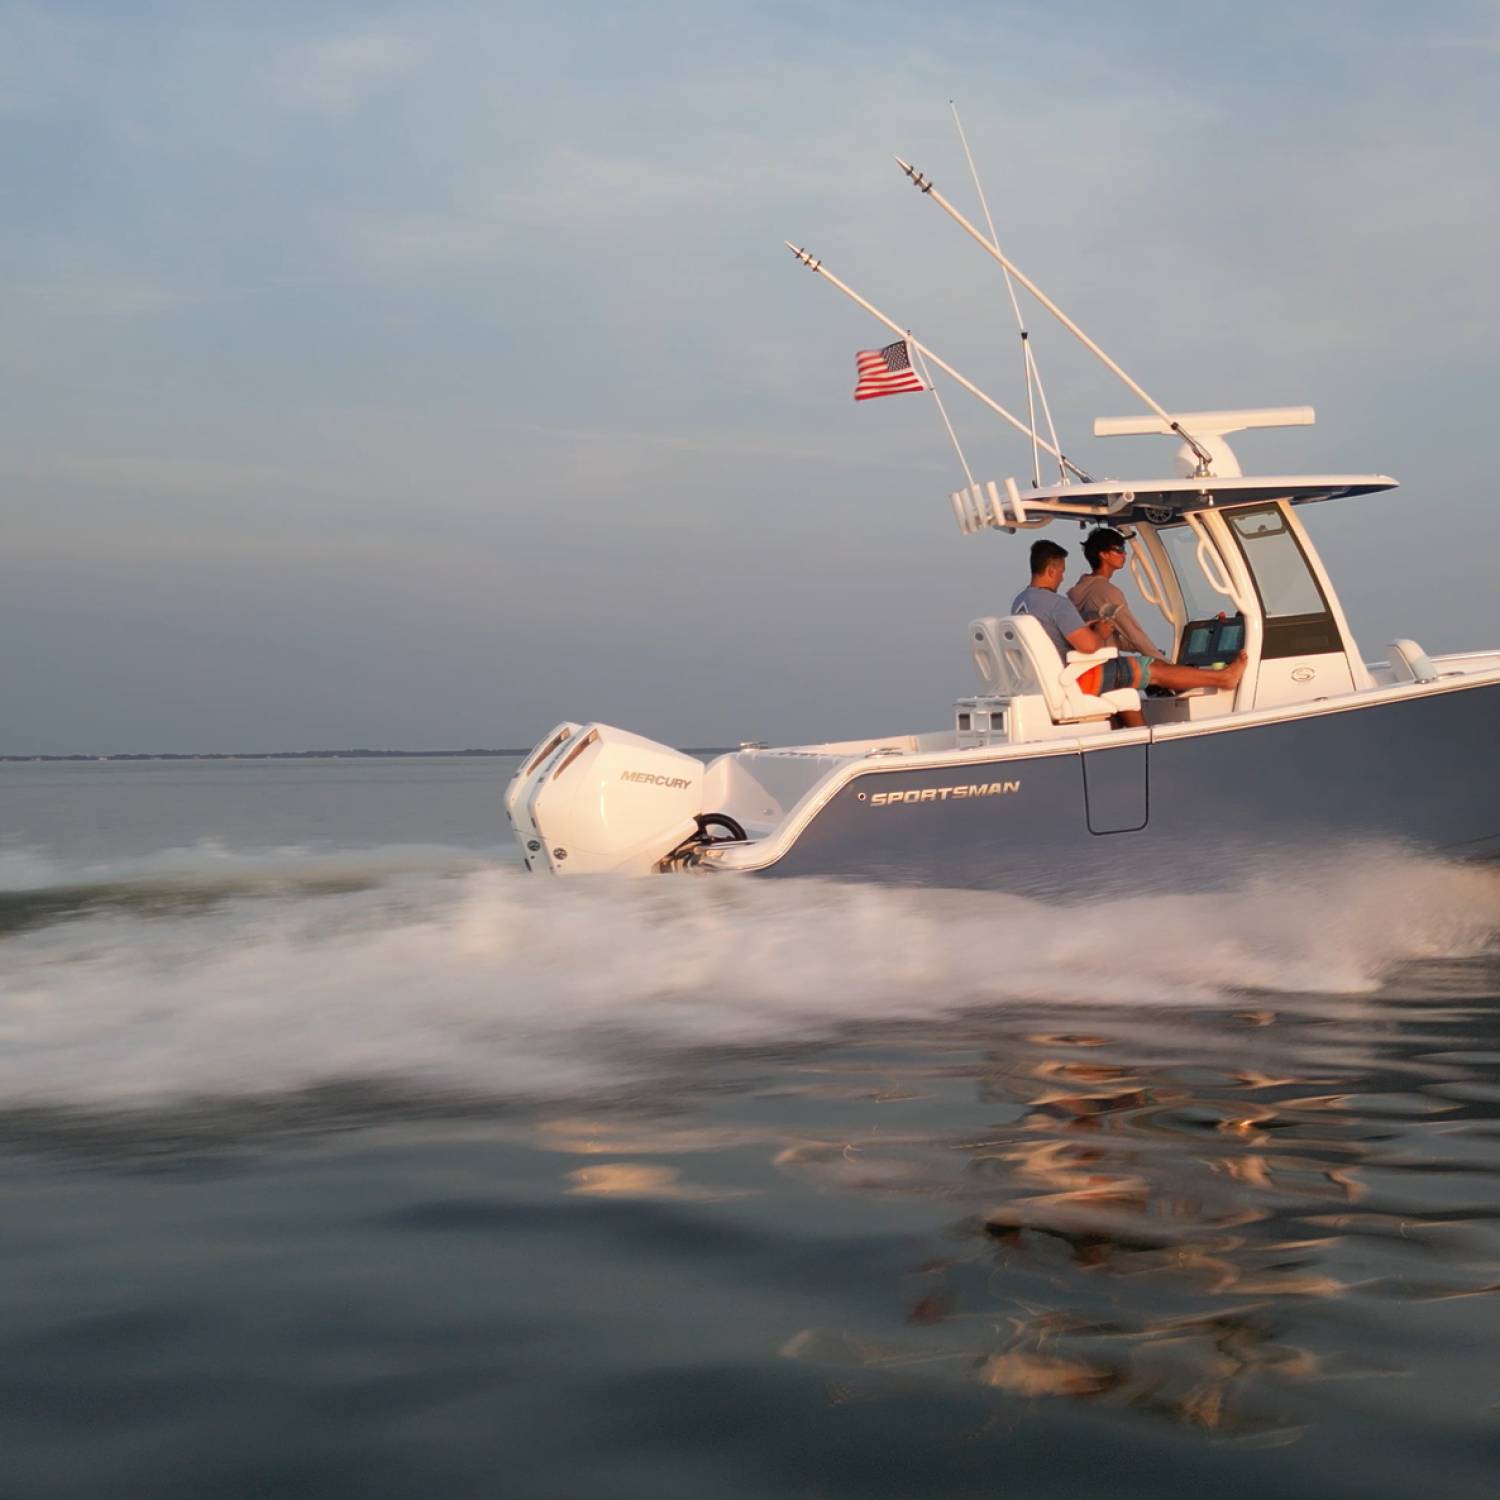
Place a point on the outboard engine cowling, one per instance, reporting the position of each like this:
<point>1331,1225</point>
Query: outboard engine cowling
<point>601,799</point>
<point>543,756</point>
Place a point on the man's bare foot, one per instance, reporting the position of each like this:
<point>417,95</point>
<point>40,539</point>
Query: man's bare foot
<point>1230,676</point>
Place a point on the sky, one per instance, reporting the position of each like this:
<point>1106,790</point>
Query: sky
<point>416,376</point>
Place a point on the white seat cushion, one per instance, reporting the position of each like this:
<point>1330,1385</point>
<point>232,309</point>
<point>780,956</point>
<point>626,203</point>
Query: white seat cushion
<point>1014,654</point>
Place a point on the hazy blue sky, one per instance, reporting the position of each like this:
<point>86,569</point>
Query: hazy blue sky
<point>422,374</point>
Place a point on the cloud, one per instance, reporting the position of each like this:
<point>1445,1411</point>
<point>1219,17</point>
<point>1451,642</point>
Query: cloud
<point>169,475</point>
<point>421,244</point>
<point>82,292</point>
<point>488,211</point>
<point>44,57</point>
<point>337,76</point>
<point>572,187</point>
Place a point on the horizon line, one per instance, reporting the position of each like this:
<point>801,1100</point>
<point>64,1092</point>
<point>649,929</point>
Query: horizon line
<point>351,754</point>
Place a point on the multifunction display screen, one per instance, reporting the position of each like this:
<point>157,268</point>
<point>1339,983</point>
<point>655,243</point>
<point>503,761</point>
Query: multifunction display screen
<point>1205,642</point>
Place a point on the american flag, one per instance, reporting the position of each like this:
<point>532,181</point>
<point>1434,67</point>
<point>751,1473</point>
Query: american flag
<point>885,372</point>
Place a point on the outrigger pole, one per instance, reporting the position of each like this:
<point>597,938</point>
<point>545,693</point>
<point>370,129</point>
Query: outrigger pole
<point>808,259</point>
<point>924,185</point>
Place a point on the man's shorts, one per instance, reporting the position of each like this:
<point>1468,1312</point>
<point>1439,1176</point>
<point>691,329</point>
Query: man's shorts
<point>1121,672</point>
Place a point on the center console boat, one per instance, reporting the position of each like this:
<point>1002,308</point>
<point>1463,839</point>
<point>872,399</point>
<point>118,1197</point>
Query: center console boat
<point>1031,785</point>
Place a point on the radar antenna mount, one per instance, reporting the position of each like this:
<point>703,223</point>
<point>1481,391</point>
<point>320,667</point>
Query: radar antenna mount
<point>1212,427</point>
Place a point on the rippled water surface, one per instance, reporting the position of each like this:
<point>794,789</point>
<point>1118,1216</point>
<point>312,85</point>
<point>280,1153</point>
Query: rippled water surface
<point>339,1157</point>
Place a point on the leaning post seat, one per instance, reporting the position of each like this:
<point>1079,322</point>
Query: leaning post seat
<point>1015,657</point>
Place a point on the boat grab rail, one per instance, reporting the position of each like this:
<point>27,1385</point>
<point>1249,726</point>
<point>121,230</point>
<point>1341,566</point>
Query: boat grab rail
<point>1148,580</point>
<point>1213,566</point>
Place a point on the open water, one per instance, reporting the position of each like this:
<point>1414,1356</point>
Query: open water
<point>338,1157</point>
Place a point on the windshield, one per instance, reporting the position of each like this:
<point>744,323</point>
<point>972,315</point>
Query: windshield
<point>1282,578</point>
<point>1199,597</point>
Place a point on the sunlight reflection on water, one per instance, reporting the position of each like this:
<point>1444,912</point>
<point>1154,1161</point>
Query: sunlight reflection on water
<point>397,1161</point>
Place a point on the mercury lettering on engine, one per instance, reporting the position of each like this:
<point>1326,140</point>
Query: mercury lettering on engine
<point>648,778</point>
<point>943,793</point>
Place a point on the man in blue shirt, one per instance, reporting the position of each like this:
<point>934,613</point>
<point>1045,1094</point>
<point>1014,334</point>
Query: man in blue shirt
<point>1058,616</point>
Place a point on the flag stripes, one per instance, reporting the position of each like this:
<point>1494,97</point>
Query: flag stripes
<point>885,372</point>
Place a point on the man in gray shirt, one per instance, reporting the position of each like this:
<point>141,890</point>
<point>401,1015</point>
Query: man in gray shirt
<point>1057,614</point>
<point>1096,595</point>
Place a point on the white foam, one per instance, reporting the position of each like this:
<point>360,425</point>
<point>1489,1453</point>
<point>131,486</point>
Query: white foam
<point>494,982</point>
<point>210,864</point>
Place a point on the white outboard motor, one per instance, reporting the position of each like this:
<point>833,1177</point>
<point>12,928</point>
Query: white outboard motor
<point>592,799</point>
<point>518,793</point>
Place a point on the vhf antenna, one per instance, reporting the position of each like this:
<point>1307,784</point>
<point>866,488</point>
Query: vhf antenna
<point>1032,374</point>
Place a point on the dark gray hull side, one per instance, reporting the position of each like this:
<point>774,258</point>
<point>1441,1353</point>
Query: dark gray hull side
<point>1180,812</point>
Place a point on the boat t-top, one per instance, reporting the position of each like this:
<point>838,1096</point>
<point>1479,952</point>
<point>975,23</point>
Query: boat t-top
<point>1032,784</point>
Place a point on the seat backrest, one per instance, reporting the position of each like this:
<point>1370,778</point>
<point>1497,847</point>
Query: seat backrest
<point>1015,657</point>
<point>1013,654</point>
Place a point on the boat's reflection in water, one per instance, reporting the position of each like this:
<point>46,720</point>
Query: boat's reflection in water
<point>1155,1229</point>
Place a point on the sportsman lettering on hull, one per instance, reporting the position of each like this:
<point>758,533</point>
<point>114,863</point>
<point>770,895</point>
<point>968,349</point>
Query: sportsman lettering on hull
<point>649,778</point>
<point>943,793</point>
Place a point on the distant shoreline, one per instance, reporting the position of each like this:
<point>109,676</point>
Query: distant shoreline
<point>269,755</point>
<point>14,760</point>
